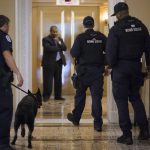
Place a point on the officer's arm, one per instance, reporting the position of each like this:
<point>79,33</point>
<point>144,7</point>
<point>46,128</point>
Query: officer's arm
<point>75,50</point>
<point>48,47</point>
<point>12,65</point>
<point>111,48</point>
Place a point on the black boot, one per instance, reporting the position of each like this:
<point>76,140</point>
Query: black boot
<point>70,117</point>
<point>144,134</point>
<point>98,127</point>
<point>124,139</point>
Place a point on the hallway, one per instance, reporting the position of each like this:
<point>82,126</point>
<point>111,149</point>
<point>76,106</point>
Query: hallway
<point>54,132</point>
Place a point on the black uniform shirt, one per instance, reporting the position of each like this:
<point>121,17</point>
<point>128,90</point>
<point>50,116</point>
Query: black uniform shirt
<point>5,44</point>
<point>127,40</point>
<point>89,48</point>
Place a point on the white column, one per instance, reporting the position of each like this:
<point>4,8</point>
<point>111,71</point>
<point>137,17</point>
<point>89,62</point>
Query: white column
<point>23,47</point>
<point>111,109</point>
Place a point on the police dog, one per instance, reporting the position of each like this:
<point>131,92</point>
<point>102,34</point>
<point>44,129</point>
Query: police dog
<point>26,113</point>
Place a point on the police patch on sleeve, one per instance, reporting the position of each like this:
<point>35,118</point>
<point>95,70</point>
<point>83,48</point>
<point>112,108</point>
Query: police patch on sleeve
<point>8,38</point>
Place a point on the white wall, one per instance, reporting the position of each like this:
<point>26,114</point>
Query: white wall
<point>141,10</point>
<point>7,8</point>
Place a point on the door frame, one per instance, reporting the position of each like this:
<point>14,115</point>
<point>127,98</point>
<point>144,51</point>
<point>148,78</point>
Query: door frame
<point>68,28</point>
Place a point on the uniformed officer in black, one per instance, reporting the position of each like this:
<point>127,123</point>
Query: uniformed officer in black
<point>127,41</point>
<point>88,49</point>
<point>7,64</point>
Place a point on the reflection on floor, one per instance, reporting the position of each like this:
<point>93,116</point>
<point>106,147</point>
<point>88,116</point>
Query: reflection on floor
<point>54,132</point>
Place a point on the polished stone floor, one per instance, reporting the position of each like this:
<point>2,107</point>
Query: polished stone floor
<point>54,132</point>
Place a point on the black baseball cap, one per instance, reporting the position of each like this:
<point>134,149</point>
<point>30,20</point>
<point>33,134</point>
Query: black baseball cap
<point>119,7</point>
<point>88,21</point>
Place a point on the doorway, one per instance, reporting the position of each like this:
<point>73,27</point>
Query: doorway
<point>69,23</point>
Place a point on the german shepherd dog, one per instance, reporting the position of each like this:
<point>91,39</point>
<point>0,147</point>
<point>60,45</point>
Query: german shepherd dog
<point>26,113</point>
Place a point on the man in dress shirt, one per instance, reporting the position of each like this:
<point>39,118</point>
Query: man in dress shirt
<point>52,61</point>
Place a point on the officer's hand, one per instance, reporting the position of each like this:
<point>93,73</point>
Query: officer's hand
<point>20,80</point>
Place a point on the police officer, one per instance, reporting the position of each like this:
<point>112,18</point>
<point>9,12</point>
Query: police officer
<point>127,41</point>
<point>7,64</point>
<point>88,49</point>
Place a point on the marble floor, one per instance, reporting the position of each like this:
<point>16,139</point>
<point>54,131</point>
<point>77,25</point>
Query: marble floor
<point>54,132</point>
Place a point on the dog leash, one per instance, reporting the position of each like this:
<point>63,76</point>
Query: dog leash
<point>19,88</point>
<point>33,95</point>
